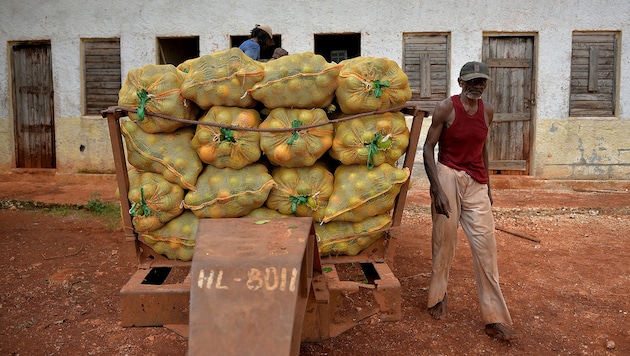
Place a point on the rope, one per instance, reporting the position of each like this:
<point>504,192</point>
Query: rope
<point>283,129</point>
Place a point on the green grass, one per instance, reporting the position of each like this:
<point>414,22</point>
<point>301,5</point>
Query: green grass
<point>106,212</point>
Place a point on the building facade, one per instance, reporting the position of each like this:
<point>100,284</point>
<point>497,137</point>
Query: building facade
<point>561,69</point>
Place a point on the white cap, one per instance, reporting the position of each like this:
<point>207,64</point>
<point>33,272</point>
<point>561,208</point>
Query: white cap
<point>266,29</point>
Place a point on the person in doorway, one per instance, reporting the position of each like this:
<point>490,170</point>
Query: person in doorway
<point>460,194</point>
<point>260,38</point>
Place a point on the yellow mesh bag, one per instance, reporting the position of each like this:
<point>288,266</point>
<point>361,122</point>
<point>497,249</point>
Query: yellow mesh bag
<point>226,148</point>
<point>360,192</point>
<point>369,84</point>
<point>301,191</point>
<point>176,239</point>
<point>348,238</point>
<point>169,154</point>
<point>229,193</point>
<point>299,80</point>
<point>299,148</point>
<point>221,78</point>
<point>154,200</point>
<point>266,213</point>
<point>371,140</point>
<point>156,88</point>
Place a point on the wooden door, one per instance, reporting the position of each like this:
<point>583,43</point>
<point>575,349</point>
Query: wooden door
<point>510,60</point>
<point>32,84</point>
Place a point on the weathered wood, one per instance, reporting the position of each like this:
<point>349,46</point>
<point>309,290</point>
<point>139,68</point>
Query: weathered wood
<point>516,165</point>
<point>511,117</point>
<point>593,74</point>
<point>33,95</point>
<point>592,69</point>
<point>510,61</point>
<point>425,61</point>
<point>425,75</point>
<point>101,62</point>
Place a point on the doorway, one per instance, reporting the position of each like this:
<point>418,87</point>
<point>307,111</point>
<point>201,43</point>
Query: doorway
<point>510,60</point>
<point>32,89</point>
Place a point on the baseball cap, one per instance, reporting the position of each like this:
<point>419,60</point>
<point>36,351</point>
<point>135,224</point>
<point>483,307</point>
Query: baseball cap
<point>472,70</point>
<point>266,29</point>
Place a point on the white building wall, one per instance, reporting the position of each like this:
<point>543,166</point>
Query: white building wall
<point>381,24</point>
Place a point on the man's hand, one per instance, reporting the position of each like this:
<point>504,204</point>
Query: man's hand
<point>441,203</point>
<point>490,195</point>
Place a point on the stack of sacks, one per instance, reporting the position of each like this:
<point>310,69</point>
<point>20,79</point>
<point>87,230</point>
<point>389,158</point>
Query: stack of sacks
<point>287,160</point>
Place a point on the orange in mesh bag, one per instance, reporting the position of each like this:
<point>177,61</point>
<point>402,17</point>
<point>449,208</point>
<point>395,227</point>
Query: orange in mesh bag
<point>348,238</point>
<point>360,192</point>
<point>265,213</point>
<point>371,140</point>
<point>299,80</point>
<point>176,239</point>
<point>229,193</point>
<point>298,148</point>
<point>301,191</point>
<point>156,88</point>
<point>226,148</point>
<point>370,84</point>
<point>169,154</point>
<point>154,200</point>
<point>221,78</point>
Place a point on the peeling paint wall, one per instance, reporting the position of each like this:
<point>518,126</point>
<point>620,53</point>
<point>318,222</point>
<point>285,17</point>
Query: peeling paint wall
<point>565,148</point>
<point>584,148</point>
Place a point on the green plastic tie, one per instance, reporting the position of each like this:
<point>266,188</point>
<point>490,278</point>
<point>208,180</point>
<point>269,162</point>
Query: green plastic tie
<point>140,208</point>
<point>227,135</point>
<point>373,150</point>
<point>378,91</point>
<point>301,199</point>
<point>295,135</point>
<point>144,98</point>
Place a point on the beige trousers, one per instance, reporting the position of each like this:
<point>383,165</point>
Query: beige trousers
<point>470,206</point>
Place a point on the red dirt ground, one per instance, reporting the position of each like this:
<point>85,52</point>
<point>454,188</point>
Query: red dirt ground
<point>568,293</point>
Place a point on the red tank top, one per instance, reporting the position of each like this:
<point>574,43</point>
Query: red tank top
<point>461,144</point>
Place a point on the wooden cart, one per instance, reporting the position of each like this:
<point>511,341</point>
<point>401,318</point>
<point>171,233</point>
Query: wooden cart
<point>159,292</point>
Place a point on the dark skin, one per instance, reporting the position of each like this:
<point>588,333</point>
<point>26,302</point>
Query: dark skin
<point>443,117</point>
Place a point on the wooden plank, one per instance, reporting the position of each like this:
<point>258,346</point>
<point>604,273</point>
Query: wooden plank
<point>590,112</point>
<point>509,62</point>
<point>507,117</point>
<point>590,97</point>
<point>592,69</point>
<point>102,74</point>
<point>425,76</point>
<point>506,165</point>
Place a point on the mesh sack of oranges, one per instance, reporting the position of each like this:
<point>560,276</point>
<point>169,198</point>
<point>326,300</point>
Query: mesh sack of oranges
<point>221,78</point>
<point>301,191</point>
<point>369,84</point>
<point>224,147</point>
<point>360,192</point>
<point>168,154</point>
<point>299,147</point>
<point>266,213</point>
<point>299,80</point>
<point>176,239</point>
<point>154,200</point>
<point>156,88</point>
<point>371,140</point>
<point>350,238</point>
<point>229,193</point>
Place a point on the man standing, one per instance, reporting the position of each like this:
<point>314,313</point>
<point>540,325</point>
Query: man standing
<point>460,193</point>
